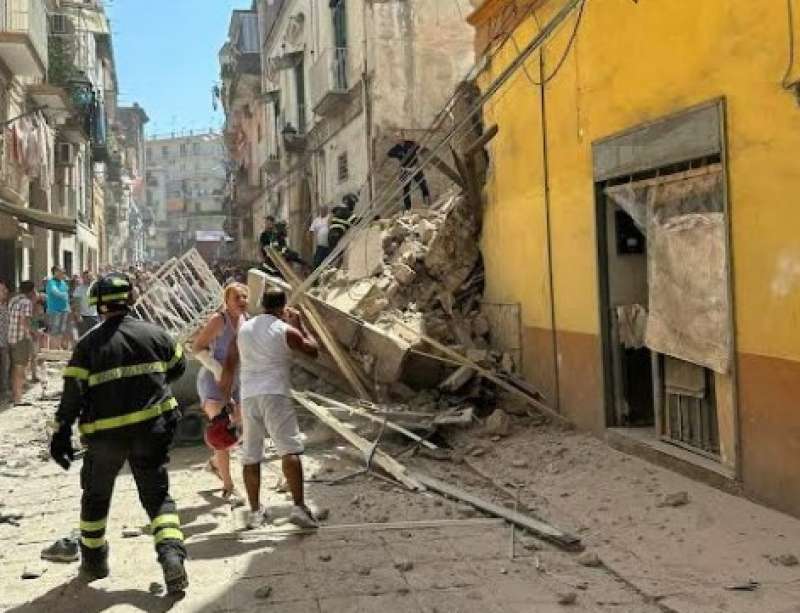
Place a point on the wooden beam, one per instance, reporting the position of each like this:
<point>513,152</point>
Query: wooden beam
<point>442,166</point>
<point>367,415</point>
<point>487,374</point>
<point>380,458</point>
<point>342,359</point>
<point>482,141</point>
<point>539,528</point>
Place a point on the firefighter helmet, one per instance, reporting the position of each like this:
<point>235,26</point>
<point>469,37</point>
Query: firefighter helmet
<point>114,289</point>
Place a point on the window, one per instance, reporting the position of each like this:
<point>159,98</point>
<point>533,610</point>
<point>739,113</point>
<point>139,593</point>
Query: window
<point>58,24</point>
<point>342,169</point>
<point>184,149</point>
<point>164,151</point>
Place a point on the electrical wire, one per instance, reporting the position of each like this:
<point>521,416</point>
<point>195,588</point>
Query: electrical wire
<point>790,67</point>
<point>563,59</point>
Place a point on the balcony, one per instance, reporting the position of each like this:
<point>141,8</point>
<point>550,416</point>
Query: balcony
<point>293,141</point>
<point>330,80</point>
<point>23,37</point>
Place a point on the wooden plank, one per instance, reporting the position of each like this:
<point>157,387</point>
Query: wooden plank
<point>283,529</point>
<point>367,415</point>
<point>487,374</point>
<point>539,528</point>
<point>342,360</point>
<point>481,141</point>
<point>380,458</point>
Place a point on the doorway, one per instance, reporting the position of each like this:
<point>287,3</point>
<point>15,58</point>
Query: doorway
<point>663,265</point>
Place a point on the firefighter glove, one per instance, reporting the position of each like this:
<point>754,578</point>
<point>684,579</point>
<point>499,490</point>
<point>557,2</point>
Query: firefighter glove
<point>61,447</point>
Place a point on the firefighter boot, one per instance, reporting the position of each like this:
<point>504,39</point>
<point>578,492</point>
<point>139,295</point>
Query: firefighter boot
<point>94,563</point>
<point>174,573</point>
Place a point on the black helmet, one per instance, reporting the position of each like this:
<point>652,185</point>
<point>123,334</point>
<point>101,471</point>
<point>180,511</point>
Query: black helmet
<point>350,200</point>
<point>111,290</point>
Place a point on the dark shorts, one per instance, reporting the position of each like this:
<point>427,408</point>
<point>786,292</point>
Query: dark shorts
<point>21,352</point>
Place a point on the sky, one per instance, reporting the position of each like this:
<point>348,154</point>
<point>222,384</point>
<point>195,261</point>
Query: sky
<point>166,56</point>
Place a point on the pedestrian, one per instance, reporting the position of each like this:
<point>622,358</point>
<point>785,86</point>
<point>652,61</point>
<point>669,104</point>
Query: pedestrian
<point>58,311</point>
<point>406,152</point>
<point>319,230</point>
<point>20,338</point>
<point>116,385</point>
<point>5,356</point>
<point>87,312</point>
<point>210,348</point>
<point>264,347</point>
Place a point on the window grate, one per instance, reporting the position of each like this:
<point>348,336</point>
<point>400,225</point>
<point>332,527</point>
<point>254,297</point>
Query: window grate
<point>343,171</point>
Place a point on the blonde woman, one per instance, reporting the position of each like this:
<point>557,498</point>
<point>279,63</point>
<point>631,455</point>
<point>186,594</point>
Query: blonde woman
<point>210,348</point>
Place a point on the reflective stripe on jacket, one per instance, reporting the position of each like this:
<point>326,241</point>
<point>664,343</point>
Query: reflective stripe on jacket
<point>118,377</point>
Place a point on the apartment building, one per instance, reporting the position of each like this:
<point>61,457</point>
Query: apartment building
<point>341,83</point>
<point>185,187</point>
<point>58,89</point>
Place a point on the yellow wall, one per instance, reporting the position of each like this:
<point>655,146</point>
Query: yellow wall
<point>633,63</point>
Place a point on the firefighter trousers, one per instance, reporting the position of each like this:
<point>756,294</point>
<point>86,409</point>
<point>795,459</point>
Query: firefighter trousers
<point>147,455</point>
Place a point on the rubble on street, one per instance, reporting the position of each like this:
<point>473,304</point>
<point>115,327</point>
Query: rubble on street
<point>385,548</point>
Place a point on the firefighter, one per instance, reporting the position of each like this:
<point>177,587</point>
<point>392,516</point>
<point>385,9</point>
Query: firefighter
<point>116,386</point>
<point>340,224</point>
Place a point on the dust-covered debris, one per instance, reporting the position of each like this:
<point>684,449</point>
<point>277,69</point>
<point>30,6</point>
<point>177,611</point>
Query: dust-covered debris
<point>678,499</point>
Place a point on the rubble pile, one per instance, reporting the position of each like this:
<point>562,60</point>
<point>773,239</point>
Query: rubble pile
<point>424,269</point>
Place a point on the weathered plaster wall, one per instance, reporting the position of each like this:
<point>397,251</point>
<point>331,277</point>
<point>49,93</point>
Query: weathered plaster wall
<point>634,63</point>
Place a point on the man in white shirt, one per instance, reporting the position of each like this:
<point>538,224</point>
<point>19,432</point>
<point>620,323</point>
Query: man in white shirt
<point>263,349</point>
<point>88,312</point>
<point>319,228</point>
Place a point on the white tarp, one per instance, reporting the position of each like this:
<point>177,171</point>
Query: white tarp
<point>686,264</point>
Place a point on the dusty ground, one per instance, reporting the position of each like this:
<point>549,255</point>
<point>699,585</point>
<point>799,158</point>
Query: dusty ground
<point>385,549</point>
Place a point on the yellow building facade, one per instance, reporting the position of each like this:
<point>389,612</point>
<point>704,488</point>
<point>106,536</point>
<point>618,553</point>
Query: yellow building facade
<point>633,92</point>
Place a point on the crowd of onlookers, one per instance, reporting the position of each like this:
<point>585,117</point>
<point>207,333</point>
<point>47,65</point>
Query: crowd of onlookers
<point>50,316</point>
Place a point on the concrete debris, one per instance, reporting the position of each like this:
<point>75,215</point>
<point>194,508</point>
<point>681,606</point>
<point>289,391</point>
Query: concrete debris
<point>567,598</point>
<point>458,379</point>
<point>519,463</point>
<point>33,572</point>
<point>498,424</point>
<point>10,516</point>
<point>129,533</point>
<point>677,499</point>
<point>404,566</point>
<point>325,557</point>
<point>264,592</point>
<point>786,559</point>
<point>589,559</point>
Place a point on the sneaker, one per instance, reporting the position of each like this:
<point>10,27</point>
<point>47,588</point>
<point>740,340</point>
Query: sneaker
<point>63,550</point>
<point>302,517</point>
<point>258,518</point>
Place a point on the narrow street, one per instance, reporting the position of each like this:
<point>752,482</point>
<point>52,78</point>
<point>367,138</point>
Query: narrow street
<point>389,306</point>
<point>386,549</point>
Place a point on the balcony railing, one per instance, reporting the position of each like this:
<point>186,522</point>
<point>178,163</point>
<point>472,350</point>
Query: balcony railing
<point>330,79</point>
<point>23,36</point>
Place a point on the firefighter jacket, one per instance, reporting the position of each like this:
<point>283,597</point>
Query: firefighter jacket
<point>337,228</point>
<point>117,381</point>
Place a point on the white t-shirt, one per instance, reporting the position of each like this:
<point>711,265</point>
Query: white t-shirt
<point>265,357</point>
<point>320,229</point>
<point>81,293</point>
